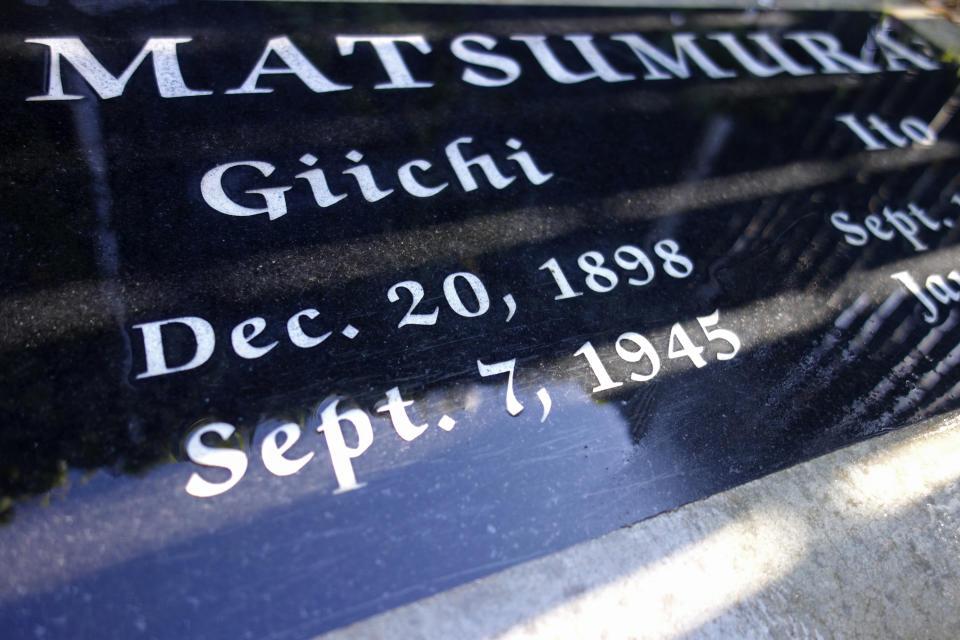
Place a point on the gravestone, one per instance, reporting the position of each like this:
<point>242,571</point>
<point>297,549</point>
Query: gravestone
<point>312,310</point>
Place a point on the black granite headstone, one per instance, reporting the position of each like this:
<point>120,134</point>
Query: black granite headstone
<point>310,310</point>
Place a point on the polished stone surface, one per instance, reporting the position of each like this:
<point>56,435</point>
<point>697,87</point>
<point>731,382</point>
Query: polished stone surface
<point>860,543</point>
<point>695,271</point>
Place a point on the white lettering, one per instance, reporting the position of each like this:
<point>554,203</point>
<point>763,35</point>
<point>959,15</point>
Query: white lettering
<point>462,167</point>
<point>893,51</point>
<point>153,345</point>
<point>918,131</point>
<point>297,64</point>
<point>233,460</point>
<point>211,187</point>
<point>272,453</point>
<point>860,131</point>
<point>931,314</point>
<point>684,46</point>
<point>905,225</point>
<point>396,406</point>
<point>166,69</point>
<point>246,331</point>
<point>296,333</point>
<point>412,186</point>
<point>390,58</point>
<point>853,233</point>
<point>341,455</point>
<point>772,49</point>
<point>507,66</point>
<point>364,177</point>
<point>827,51</point>
<point>318,183</point>
<point>588,51</point>
<point>522,158</point>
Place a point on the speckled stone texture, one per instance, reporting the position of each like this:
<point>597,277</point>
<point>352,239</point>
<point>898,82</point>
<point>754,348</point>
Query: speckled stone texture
<point>861,543</point>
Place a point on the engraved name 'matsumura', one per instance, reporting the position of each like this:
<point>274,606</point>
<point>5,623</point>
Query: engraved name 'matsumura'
<point>484,61</point>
